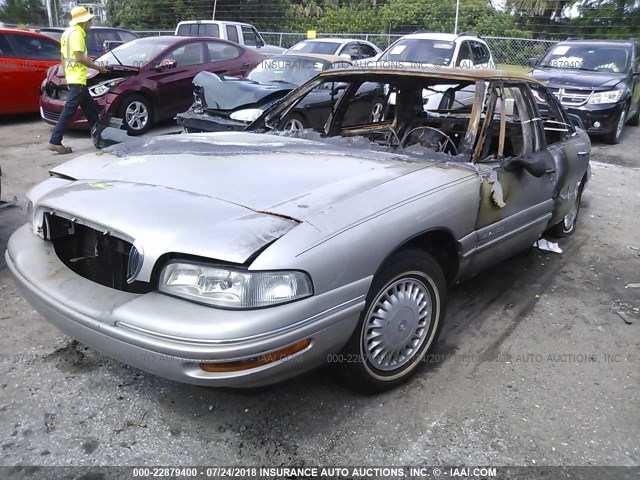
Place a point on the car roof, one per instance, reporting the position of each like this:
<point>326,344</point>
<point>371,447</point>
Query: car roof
<point>333,40</point>
<point>228,22</point>
<point>24,32</point>
<point>596,42</point>
<point>200,38</point>
<point>445,37</point>
<point>405,68</point>
<point>317,56</point>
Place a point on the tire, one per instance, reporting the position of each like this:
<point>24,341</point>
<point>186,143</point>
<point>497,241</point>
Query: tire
<point>614,137</point>
<point>567,226</point>
<point>293,123</point>
<point>635,120</point>
<point>393,319</point>
<point>136,114</point>
<point>377,110</point>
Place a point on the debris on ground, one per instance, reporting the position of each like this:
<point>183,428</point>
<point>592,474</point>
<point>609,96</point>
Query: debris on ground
<point>625,317</point>
<point>632,285</point>
<point>547,246</point>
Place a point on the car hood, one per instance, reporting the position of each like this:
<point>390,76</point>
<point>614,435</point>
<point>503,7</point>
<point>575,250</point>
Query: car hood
<point>231,93</point>
<point>579,79</point>
<point>220,195</point>
<point>55,74</point>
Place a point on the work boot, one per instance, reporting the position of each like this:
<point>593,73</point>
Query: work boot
<point>61,149</point>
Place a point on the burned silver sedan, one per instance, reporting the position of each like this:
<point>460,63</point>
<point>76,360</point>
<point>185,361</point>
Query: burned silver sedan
<point>241,258</point>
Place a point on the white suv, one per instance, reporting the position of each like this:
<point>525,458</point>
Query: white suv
<point>441,50</point>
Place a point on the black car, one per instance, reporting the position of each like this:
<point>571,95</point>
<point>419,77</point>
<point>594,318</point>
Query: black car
<point>597,81</point>
<point>226,103</point>
<point>96,38</point>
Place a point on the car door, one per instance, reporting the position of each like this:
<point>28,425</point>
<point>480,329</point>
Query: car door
<point>517,175</point>
<point>174,85</point>
<point>227,59</point>
<point>28,58</point>
<point>569,149</point>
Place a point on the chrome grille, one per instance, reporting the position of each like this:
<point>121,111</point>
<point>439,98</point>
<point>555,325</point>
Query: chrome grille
<point>51,116</point>
<point>571,98</point>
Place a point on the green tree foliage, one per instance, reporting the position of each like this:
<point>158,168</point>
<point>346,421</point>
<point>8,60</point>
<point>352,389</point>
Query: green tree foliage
<point>165,14</point>
<point>30,12</point>
<point>607,19</point>
<point>403,16</point>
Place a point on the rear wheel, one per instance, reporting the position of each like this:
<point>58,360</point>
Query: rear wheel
<point>400,323</point>
<point>568,224</point>
<point>137,115</point>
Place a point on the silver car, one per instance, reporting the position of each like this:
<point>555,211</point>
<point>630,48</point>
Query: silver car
<point>244,258</point>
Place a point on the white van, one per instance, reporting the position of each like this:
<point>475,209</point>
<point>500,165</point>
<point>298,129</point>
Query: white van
<point>241,33</point>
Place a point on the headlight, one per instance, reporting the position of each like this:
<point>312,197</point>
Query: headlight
<point>103,87</point>
<point>610,96</point>
<point>233,288</point>
<point>247,115</point>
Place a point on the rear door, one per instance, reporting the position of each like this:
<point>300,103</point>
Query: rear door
<point>227,59</point>
<point>174,86</point>
<point>27,59</point>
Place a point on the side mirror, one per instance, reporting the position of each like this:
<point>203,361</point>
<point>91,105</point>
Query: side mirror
<point>535,166</point>
<point>167,64</point>
<point>337,86</point>
<point>347,56</point>
<point>532,62</point>
<point>109,45</point>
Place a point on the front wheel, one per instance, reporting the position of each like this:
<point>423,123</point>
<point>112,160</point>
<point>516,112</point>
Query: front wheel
<point>293,123</point>
<point>137,115</point>
<point>401,320</point>
<point>614,137</point>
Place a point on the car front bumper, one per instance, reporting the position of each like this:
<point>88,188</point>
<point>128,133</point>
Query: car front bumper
<point>204,122</point>
<point>596,119</point>
<point>51,109</point>
<point>108,321</point>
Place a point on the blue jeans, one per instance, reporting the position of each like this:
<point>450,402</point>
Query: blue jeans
<point>78,96</point>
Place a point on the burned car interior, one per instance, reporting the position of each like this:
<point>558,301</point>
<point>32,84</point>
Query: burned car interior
<point>476,120</point>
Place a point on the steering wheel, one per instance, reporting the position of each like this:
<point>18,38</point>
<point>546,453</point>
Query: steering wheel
<point>428,142</point>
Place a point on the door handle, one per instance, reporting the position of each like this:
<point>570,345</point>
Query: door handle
<point>246,65</point>
<point>582,154</point>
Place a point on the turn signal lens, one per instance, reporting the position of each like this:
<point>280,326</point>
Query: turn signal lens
<point>256,362</point>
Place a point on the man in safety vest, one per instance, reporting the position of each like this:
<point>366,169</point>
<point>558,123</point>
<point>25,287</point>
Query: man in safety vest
<point>75,62</point>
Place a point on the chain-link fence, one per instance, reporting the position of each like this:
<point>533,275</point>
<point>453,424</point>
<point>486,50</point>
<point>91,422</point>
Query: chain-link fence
<point>505,50</point>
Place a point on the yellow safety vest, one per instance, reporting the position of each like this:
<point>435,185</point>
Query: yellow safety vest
<point>74,40</point>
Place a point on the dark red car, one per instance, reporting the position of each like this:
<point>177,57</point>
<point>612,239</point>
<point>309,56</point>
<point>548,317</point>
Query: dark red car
<point>149,79</point>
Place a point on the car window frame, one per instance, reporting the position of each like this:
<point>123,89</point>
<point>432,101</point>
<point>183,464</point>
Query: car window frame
<point>236,35</point>
<point>464,44</point>
<point>9,48</point>
<point>209,59</point>
<point>17,53</point>
<point>167,56</point>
